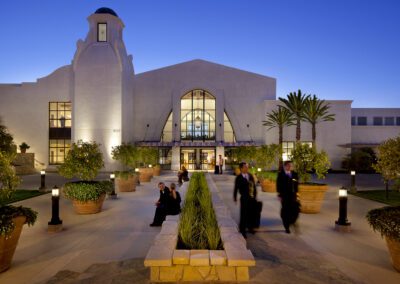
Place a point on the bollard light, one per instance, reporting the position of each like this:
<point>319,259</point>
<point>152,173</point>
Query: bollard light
<point>137,172</point>
<point>55,224</point>
<point>258,169</point>
<point>150,166</point>
<point>42,180</point>
<point>353,181</point>
<point>113,195</point>
<point>342,224</point>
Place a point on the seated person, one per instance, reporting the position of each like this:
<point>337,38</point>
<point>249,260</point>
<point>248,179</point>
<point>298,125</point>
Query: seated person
<point>161,210</point>
<point>174,202</point>
<point>183,175</point>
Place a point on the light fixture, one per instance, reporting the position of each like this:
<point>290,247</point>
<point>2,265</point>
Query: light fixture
<point>342,192</point>
<point>42,172</point>
<point>197,122</point>
<point>258,169</point>
<point>150,166</point>
<point>42,181</point>
<point>112,176</point>
<point>342,224</point>
<point>353,181</point>
<point>113,195</point>
<point>137,170</point>
<point>353,173</point>
<point>55,224</point>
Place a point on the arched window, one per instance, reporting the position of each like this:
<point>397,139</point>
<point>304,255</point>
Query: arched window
<point>198,116</point>
<point>229,134</point>
<point>166,135</point>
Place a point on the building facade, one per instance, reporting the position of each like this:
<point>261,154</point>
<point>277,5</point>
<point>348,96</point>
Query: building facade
<point>193,112</point>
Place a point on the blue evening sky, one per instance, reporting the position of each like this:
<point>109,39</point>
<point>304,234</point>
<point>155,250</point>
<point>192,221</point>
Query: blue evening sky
<point>337,49</point>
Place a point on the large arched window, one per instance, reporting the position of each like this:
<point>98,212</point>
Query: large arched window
<point>198,116</point>
<point>229,134</point>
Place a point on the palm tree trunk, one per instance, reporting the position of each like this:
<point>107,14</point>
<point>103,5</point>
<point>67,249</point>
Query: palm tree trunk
<point>280,148</point>
<point>314,134</point>
<point>298,130</point>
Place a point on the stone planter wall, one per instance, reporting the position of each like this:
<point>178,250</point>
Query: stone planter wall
<point>231,264</point>
<point>24,163</point>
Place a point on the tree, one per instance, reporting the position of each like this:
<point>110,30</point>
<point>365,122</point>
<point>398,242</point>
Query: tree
<point>295,103</point>
<point>315,111</point>
<point>279,118</point>
<point>360,160</point>
<point>7,145</point>
<point>84,161</point>
<point>389,160</point>
<point>267,156</point>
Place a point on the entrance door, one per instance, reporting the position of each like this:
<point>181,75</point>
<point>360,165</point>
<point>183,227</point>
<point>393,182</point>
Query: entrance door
<point>198,158</point>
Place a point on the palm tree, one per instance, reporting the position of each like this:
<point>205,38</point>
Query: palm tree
<point>315,111</point>
<point>295,104</point>
<point>279,118</point>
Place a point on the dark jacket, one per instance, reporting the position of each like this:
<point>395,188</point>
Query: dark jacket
<point>243,187</point>
<point>287,187</point>
<point>164,197</point>
<point>174,205</point>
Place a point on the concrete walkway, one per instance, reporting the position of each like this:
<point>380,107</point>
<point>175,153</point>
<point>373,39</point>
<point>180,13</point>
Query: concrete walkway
<point>121,231</point>
<point>360,255</point>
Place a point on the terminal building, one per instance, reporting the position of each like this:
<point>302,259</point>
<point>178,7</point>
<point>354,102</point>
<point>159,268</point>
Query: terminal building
<point>192,111</point>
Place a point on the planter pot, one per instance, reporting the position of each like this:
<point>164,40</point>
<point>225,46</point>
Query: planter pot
<point>88,207</point>
<point>126,184</point>
<point>394,250</point>
<point>157,171</point>
<point>23,151</point>
<point>311,197</point>
<point>8,246</point>
<point>145,174</point>
<point>268,185</point>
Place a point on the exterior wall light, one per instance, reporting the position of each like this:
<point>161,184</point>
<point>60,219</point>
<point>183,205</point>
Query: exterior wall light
<point>55,224</point>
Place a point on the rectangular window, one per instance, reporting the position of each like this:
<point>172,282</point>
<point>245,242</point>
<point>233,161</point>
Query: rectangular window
<point>165,158</point>
<point>60,115</point>
<point>362,120</point>
<point>59,131</point>
<point>287,148</point>
<point>389,120</point>
<point>398,120</point>
<point>101,32</point>
<point>353,120</point>
<point>58,150</point>
<point>378,120</point>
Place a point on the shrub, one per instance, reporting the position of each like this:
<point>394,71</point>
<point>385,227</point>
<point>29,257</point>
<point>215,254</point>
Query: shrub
<point>198,227</point>
<point>245,154</point>
<point>306,159</point>
<point>267,156</point>
<point>360,160</point>
<point>267,175</point>
<point>83,161</point>
<point>148,155</point>
<point>86,191</point>
<point>127,154</point>
<point>7,145</point>
<point>125,174</point>
<point>389,159</point>
<point>386,220</point>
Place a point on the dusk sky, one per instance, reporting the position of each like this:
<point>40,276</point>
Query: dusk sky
<point>339,49</point>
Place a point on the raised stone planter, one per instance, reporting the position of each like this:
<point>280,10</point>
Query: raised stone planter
<point>168,264</point>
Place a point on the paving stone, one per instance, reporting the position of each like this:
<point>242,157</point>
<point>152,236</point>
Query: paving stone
<point>181,256</point>
<point>172,218</point>
<point>217,257</point>
<point>233,238</point>
<point>199,258</point>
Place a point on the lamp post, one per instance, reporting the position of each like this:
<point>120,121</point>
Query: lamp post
<point>55,224</point>
<point>342,224</point>
<point>353,181</point>
<point>42,180</point>
<point>113,195</point>
<point>138,173</point>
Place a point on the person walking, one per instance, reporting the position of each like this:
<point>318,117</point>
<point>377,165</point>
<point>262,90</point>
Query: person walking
<point>287,188</point>
<point>220,164</point>
<point>245,185</point>
<point>162,203</point>
<point>174,203</point>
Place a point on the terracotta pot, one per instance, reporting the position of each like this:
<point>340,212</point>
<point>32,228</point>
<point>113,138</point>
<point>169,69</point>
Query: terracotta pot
<point>88,207</point>
<point>126,184</point>
<point>157,171</point>
<point>311,197</point>
<point>145,174</point>
<point>8,246</point>
<point>23,151</point>
<point>394,250</point>
<point>268,185</point>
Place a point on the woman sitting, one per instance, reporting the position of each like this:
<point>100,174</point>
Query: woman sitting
<point>183,175</point>
<point>174,201</point>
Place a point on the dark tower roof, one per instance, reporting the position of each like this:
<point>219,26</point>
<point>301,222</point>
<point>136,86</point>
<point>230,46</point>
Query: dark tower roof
<point>105,10</point>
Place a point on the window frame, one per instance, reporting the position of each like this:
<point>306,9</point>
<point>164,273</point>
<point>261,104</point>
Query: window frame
<point>98,32</point>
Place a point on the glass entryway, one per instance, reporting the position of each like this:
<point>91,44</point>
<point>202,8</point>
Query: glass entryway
<point>198,158</point>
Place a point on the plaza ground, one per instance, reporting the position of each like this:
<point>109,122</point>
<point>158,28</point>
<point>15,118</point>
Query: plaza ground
<point>110,247</point>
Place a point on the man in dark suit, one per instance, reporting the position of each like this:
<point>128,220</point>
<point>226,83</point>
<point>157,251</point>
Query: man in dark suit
<point>287,188</point>
<point>245,185</point>
<point>162,203</point>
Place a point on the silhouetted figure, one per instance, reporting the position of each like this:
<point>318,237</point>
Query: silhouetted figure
<point>287,188</point>
<point>162,203</point>
<point>245,185</point>
<point>183,175</point>
<point>174,202</point>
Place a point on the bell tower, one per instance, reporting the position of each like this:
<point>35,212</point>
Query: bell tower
<point>102,98</point>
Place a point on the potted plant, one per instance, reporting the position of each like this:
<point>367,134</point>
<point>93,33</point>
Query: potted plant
<point>148,157</point>
<point>307,159</point>
<point>267,158</point>
<point>12,218</point>
<point>84,161</point>
<point>127,155</point>
<point>386,220</point>
<point>23,147</point>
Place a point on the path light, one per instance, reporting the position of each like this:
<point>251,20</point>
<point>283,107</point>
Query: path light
<point>137,172</point>
<point>42,180</point>
<point>258,169</point>
<point>113,195</point>
<point>353,181</point>
<point>55,224</point>
<point>342,224</point>
<point>150,166</point>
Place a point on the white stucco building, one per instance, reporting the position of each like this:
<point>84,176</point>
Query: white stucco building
<point>192,111</point>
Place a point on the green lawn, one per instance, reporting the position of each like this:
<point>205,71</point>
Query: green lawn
<point>21,194</point>
<point>380,196</point>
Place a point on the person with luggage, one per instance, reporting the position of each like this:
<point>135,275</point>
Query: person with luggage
<point>245,185</point>
<point>287,188</point>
